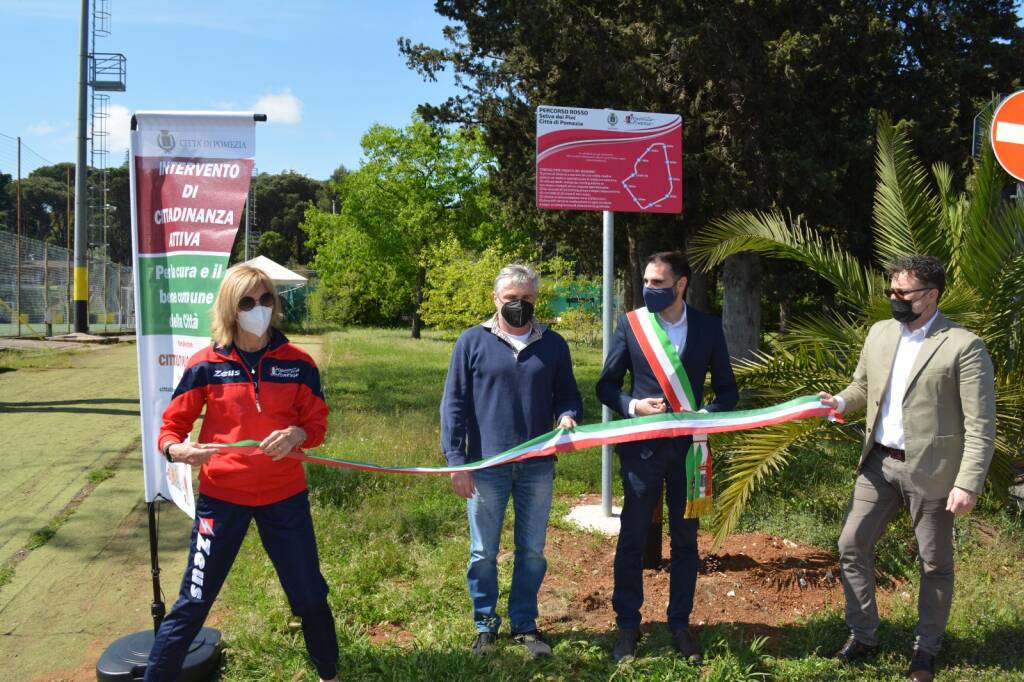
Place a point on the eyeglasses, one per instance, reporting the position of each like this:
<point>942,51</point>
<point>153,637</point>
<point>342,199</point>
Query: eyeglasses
<point>902,293</point>
<point>248,302</point>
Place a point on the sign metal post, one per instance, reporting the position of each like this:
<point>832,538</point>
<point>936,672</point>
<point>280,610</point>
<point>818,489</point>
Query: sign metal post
<point>607,294</point>
<point>609,161</point>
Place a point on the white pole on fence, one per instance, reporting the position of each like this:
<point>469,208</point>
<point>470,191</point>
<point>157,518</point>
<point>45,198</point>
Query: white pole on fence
<point>17,248</point>
<point>46,286</point>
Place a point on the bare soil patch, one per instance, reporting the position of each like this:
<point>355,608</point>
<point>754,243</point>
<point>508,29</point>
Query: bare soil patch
<point>757,582</point>
<point>391,633</point>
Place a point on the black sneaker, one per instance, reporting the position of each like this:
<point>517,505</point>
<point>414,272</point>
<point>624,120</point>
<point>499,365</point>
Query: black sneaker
<point>855,651</point>
<point>922,667</point>
<point>625,647</point>
<point>484,643</point>
<point>533,642</point>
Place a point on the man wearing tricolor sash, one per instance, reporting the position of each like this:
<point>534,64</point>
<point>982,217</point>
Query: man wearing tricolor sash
<point>668,348</point>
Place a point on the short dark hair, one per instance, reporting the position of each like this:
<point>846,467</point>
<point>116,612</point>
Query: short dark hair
<point>928,269</point>
<point>675,260</point>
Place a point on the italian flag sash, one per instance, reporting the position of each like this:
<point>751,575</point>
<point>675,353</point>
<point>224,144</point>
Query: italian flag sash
<point>675,384</point>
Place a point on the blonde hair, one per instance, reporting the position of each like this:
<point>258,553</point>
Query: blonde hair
<point>237,282</point>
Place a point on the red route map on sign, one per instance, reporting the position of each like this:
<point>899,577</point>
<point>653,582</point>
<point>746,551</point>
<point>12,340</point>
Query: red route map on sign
<point>605,160</point>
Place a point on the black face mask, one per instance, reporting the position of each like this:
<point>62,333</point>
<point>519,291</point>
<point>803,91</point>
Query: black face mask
<point>517,313</point>
<point>903,311</point>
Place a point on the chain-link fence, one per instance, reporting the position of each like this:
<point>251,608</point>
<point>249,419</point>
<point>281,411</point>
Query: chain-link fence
<point>35,290</point>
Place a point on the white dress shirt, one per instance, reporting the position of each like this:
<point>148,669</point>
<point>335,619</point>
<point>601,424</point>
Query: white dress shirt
<point>890,423</point>
<point>676,332</point>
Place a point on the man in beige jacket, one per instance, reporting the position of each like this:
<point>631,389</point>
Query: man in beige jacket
<point>929,391</point>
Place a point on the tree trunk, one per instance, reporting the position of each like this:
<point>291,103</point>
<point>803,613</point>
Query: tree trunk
<point>741,307</point>
<point>634,273</point>
<point>785,313</point>
<point>697,291</point>
<point>417,323</point>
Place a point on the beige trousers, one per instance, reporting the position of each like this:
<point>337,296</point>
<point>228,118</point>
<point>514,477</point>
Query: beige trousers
<point>883,488</point>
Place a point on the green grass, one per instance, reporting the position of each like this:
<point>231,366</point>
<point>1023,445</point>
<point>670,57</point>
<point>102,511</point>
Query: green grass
<point>6,573</point>
<point>11,359</point>
<point>394,548</point>
<point>41,536</point>
<point>97,476</point>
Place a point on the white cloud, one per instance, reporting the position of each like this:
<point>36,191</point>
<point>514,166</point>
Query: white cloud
<point>44,128</point>
<point>119,127</point>
<point>282,107</point>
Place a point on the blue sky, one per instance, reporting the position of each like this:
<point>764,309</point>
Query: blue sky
<point>323,70</point>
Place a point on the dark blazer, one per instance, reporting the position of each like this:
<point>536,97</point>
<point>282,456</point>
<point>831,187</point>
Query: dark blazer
<point>705,350</point>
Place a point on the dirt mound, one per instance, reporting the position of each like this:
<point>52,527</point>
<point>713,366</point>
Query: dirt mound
<point>757,582</point>
<point>754,580</point>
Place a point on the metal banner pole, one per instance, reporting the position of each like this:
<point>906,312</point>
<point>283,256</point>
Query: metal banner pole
<point>607,304</point>
<point>156,607</point>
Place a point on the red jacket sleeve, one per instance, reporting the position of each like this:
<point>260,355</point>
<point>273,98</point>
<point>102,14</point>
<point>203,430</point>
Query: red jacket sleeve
<point>181,413</point>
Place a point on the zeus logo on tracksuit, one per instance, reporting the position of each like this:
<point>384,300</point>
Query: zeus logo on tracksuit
<point>203,545</point>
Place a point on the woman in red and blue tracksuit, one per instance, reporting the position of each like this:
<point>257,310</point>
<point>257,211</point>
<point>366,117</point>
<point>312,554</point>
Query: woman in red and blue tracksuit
<point>255,385</point>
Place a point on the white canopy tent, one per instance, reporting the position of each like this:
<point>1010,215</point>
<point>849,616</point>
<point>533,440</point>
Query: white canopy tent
<point>284,279</point>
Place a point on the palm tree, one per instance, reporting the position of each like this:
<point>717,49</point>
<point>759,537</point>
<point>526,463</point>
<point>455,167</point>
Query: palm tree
<point>976,233</point>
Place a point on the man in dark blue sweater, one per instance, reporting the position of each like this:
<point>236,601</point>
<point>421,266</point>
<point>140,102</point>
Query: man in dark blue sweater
<point>510,379</point>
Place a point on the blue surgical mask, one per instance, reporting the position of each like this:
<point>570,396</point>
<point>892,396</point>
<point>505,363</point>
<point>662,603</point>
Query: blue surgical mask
<point>658,298</point>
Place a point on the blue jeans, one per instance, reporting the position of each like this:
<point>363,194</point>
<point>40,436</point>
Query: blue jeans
<point>286,530</point>
<point>529,484</point>
<point>642,480</point>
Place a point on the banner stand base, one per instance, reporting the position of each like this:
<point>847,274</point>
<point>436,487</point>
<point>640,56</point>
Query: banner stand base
<point>125,659</point>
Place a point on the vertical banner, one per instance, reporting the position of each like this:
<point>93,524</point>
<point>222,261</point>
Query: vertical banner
<point>190,174</point>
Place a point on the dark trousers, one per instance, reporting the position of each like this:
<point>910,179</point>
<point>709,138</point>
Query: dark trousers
<point>642,481</point>
<point>286,530</point>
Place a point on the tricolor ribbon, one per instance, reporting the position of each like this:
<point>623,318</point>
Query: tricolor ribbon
<point>671,425</point>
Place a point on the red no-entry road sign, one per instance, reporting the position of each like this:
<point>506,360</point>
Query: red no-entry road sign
<point>1008,135</point>
<point>608,160</point>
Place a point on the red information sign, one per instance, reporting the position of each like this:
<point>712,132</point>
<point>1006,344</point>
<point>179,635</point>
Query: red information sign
<point>606,160</point>
<point>1008,135</point>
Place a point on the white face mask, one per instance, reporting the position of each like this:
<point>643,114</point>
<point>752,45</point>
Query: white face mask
<point>255,321</point>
